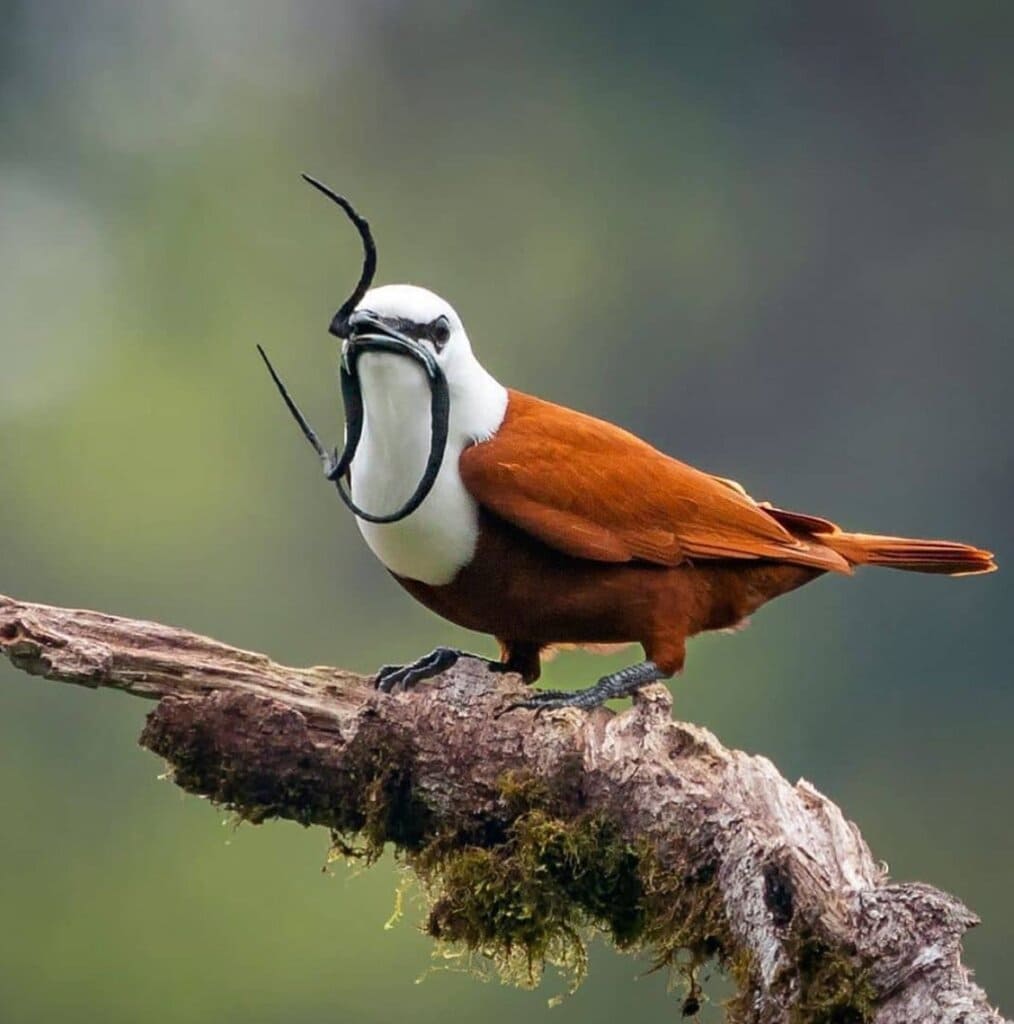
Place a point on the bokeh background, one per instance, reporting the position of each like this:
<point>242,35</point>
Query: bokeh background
<point>773,238</point>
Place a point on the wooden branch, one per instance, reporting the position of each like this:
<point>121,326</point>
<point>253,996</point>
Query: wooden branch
<point>527,826</point>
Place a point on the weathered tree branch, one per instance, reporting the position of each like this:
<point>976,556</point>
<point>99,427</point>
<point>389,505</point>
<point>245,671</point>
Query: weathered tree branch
<point>526,826</point>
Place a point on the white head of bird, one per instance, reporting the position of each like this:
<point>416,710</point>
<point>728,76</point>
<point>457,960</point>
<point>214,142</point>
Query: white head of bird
<point>439,537</point>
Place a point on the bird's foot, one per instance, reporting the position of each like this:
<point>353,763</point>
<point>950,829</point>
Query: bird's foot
<point>617,684</point>
<point>391,678</point>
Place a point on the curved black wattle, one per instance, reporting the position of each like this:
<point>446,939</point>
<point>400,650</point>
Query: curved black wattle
<point>390,340</point>
<point>352,399</point>
<point>440,410</point>
<point>340,323</point>
<point>440,414</point>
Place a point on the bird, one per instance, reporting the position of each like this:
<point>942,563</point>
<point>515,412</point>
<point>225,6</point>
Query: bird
<point>543,526</point>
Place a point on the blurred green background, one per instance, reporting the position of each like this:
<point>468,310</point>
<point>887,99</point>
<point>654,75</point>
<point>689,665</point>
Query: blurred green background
<point>773,238</point>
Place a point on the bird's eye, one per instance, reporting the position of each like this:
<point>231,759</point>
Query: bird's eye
<point>440,332</point>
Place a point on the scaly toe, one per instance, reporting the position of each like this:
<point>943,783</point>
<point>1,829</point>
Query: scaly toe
<point>543,700</point>
<point>385,682</point>
<point>384,672</point>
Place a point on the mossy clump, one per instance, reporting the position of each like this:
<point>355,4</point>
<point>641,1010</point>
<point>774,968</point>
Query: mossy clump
<point>375,799</point>
<point>525,902</point>
<point>833,987</point>
<point>258,759</point>
<point>528,893</point>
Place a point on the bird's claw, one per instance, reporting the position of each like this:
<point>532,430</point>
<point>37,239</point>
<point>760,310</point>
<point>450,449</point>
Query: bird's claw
<point>397,678</point>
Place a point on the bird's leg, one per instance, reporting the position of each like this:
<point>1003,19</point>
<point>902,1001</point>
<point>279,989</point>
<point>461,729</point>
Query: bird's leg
<point>402,677</point>
<point>617,684</point>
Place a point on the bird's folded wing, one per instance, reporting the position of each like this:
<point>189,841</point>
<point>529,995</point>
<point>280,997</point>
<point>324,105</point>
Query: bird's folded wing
<point>591,490</point>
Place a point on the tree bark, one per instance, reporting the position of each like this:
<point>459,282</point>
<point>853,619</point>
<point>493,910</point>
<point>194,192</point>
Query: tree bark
<point>718,854</point>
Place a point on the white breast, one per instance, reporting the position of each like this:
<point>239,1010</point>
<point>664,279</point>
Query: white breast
<point>438,538</point>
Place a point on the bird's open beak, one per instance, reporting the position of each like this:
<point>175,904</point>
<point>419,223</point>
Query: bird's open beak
<point>368,333</point>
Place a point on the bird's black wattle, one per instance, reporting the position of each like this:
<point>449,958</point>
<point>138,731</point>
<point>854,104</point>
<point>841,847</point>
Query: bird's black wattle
<point>376,336</point>
<point>337,467</point>
<point>440,409</point>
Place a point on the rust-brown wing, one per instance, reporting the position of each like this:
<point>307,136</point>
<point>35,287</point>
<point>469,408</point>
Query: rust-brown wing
<point>592,490</point>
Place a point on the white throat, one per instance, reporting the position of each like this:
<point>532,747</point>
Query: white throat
<point>438,539</point>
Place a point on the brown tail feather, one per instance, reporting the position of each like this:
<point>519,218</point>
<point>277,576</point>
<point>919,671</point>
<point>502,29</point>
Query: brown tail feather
<point>937,556</point>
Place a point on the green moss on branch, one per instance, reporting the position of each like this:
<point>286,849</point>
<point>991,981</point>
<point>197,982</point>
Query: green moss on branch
<point>525,882</point>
